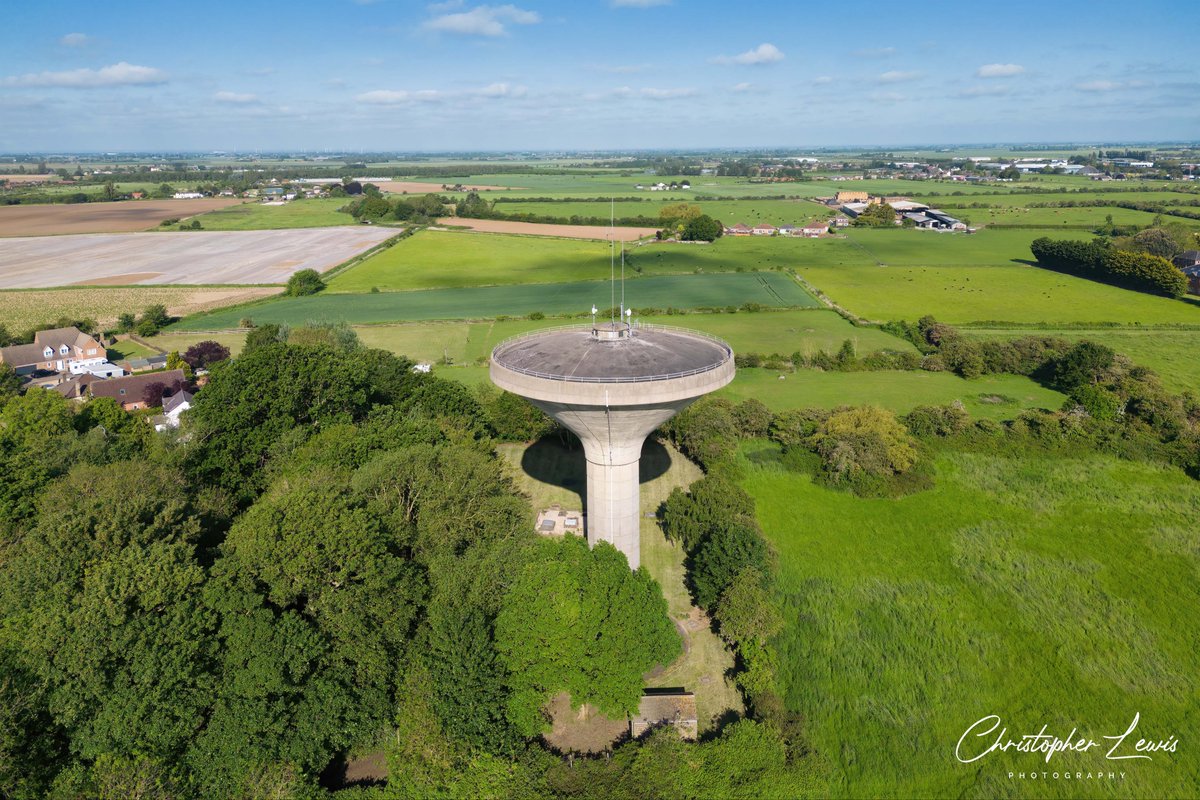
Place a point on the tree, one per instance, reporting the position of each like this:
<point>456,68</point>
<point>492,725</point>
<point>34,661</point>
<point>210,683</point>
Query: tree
<point>747,610</point>
<point>577,619</point>
<point>866,440</point>
<point>10,382</point>
<point>156,314</point>
<point>203,355</point>
<point>264,336</point>
<point>726,551</point>
<point>702,228</point>
<point>176,361</point>
<point>876,215</point>
<point>165,191</point>
<point>678,214</point>
<point>304,282</point>
<point>1084,364</point>
<point>126,322</point>
<point>709,504</point>
<point>152,394</point>
<point>753,418</point>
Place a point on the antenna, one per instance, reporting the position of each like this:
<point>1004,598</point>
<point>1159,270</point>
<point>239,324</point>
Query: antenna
<point>623,282</point>
<point>612,258</point>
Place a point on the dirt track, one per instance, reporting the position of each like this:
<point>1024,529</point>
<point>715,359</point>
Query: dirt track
<point>541,229</point>
<point>120,217</point>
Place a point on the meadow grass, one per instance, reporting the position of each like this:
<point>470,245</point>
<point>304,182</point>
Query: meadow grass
<point>316,213</point>
<point>1170,353</point>
<point>679,291</point>
<point>750,211</point>
<point>1048,591</point>
<point>989,396</point>
<point>120,351</point>
<point>1089,217</point>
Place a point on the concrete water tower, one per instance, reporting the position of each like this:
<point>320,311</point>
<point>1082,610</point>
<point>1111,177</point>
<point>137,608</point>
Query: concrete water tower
<point>612,384</point>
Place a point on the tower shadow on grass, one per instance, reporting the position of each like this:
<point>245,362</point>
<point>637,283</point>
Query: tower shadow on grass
<point>552,461</point>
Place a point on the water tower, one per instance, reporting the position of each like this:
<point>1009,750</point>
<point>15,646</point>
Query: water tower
<point>612,384</point>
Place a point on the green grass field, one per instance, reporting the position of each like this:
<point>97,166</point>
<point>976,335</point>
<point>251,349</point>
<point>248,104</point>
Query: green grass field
<point>782,332</point>
<point>989,396</point>
<point>120,351</point>
<point>679,291</point>
<point>1170,353</point>
<point>1090,217</point>
<point>752,212</point>
<point>317,213</point>
<point>1048,591</point>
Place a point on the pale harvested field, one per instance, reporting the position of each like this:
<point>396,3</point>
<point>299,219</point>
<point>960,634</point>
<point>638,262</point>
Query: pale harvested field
<point>24,309</point>
<point>15,179</point>
<point>416,187</point>
<point>119,217</point>
<point>119,259</point>
<point>545,229</point>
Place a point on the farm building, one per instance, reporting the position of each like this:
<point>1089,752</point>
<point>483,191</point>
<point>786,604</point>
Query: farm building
<point>852,197</point>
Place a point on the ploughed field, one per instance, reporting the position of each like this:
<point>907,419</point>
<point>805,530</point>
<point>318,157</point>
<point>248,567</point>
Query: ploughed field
<point>202,257</point>
<point>118,217</point>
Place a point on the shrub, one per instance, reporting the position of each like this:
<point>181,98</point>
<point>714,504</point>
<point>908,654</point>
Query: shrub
<point>753,418</point>
<point>726,551</point>
<point>204,354</point>
<point>304,282</point>
<point>795,426</point>
<point>863,441</point>
<point>930,421</point>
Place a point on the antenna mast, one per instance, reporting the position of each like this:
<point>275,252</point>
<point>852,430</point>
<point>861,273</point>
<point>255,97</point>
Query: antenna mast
<point>612,259</point>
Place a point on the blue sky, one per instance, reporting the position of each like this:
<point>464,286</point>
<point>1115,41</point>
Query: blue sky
<point>591,74</point>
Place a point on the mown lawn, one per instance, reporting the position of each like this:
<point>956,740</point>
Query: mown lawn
<point>318,213</point>
<point>1048,591</point>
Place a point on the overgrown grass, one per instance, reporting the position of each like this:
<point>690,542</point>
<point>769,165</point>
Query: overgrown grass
<point>1045,590</point>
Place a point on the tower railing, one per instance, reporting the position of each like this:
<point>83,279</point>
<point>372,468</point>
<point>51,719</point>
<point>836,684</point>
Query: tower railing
<point>637,326</point>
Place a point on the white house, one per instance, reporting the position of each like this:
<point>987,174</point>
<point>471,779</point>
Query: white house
<point>187,195</point>
<point>99,367</point>
<point>172,407</point>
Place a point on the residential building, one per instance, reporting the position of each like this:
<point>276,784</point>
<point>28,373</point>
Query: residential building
<point>52,351</point>
<point>814,229</point>
<point>172,407</point>
<point>740,229</point>
<point>99,367</point>
<point>130,391</point>
<point>763,229</point>
<point>1188,258</point>
<point>841,222</point>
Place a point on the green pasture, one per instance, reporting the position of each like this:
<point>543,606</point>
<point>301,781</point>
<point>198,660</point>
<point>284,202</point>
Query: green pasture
<point>445,259</point>
<point>1045,590</point>
<point>989,396</point>
<point>899,247</point>
<point>1170,353</point>
<point>315,213</point>
<point>782,332</point>
<point>126,349</point>
<point>678,291</point>
<point>1090,217</point>
<point>1134,193</point>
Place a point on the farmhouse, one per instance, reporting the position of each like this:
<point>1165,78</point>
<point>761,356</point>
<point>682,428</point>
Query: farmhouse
<point>172,407</point>
<point>740,229</point>
<point>763,229</point>
<point>130,391</point>
<point>814,229</point>
<point>52,353</point>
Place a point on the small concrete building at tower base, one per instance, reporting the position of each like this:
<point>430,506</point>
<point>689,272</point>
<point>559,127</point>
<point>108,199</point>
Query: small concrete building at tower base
<point>612,385</point>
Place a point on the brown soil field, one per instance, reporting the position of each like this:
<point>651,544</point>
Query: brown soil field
<point>185,257</point>
<point>15,179</point>
<point>23,309</point>
<point>545,229</point>
<point>119,217</point>
<point>417,187</point>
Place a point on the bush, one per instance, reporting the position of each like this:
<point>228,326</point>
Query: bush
<point>753,418</point>
<point>204,354</point>
<point>304,282</point>
<point>930,421</point>
<point>862,441</point>
<point>725,553</point>
<point>147,328</point>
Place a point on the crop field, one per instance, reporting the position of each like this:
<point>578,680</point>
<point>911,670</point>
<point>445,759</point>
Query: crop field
<point>445,259</point>
<point>1049,591</point>
<point>679,291</point>
<point>23,309</point>
<point>989,396</point>
<point>1170,353</point>
<point>782,332</point>
<point>207,257</point>
<point>619,234</point>
<point>316,213</point>
<point>118,217</point>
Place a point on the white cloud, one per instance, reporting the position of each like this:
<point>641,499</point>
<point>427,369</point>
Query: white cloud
<point>665,94</point>
<point>639,3</point>
<point>994,90</point>
<point>483,20</point>
<point>395,97</point>
<point>236,98</point>
<point>875,52</point>
<point>121,74</point>
<point>743,87</point>
<point>898,76</point>
<point>763,54</point>
<point>1109,86</point>
<point>648,93</point>
<point>822,79</point>
<point>75,40</point>
<point>999,70</point>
